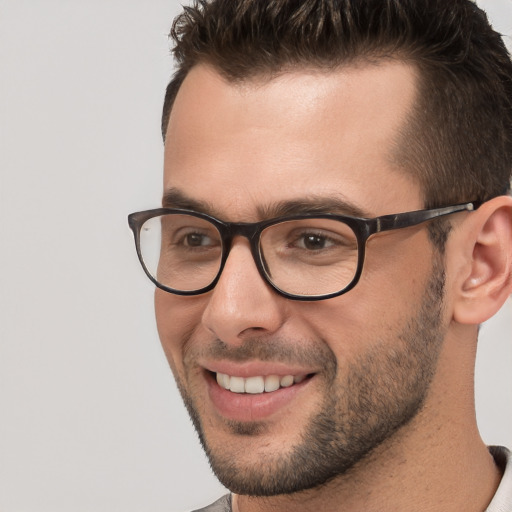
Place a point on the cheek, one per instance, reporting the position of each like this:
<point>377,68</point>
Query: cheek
<point>397,268</point>
<point>389,292</point>
<point>177,319</point>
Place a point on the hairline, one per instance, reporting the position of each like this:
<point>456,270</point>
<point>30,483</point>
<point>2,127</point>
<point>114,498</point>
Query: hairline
<point>266,74</point>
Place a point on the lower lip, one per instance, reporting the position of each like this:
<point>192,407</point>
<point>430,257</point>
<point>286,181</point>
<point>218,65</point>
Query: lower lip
<point>247,407</point>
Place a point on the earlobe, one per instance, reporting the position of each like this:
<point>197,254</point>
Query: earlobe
<point>487,282</point>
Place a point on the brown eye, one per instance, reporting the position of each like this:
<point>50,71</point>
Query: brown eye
<point>197,240</point>
<point>313,242</point>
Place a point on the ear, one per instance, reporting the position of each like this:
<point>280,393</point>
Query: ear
<point>486,278</point>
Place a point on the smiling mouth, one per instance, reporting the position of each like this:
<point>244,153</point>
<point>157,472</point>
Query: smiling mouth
<point>258,384</point>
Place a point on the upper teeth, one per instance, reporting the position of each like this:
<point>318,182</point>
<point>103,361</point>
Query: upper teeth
<point>257,384</point>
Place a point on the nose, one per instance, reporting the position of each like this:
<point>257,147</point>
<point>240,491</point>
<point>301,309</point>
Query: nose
<point>242,304</point>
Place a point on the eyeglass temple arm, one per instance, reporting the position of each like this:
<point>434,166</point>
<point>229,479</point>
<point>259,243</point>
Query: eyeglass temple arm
<point>404,220</point>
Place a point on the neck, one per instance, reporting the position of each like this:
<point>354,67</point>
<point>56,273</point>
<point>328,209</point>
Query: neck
<point>434,476</point>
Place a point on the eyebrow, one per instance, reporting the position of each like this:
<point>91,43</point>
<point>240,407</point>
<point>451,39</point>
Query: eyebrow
<point>175,198</point>
<point>312,204</point>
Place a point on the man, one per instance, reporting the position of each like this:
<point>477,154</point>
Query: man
<point>336,224</point>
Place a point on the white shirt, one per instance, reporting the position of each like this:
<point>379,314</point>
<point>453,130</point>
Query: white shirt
<point>502,501</point>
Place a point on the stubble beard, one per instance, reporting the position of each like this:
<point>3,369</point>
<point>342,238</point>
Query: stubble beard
<point>382,392</point>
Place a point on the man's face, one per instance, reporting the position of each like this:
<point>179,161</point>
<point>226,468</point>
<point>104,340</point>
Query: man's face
<point>362,362</point>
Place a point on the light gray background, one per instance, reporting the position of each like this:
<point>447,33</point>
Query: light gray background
<point>90,419</point>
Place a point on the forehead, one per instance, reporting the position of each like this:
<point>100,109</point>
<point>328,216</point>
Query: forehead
<point>239,146</point>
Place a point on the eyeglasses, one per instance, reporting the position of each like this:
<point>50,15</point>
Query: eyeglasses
<point>302,257</point>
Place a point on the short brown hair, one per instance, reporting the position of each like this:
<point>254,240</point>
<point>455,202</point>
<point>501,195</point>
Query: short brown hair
<point>458,140</point>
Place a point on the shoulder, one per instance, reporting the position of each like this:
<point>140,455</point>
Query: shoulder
<point>221,505</point>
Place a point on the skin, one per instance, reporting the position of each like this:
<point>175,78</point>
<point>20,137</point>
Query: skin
<point>271,146</point>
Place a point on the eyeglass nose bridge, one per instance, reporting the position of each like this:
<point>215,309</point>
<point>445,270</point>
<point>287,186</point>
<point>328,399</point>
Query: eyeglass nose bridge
<point>250,231</point>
